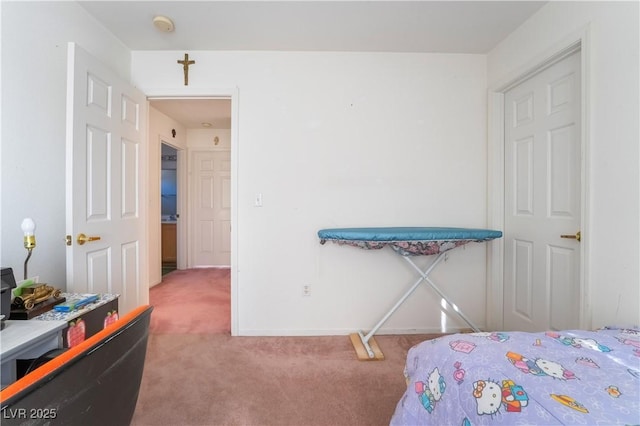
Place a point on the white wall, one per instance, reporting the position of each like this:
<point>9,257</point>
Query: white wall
<point>202,139</point>
<point>34,75</point>
<point>345,139</point>
<point>614,181</point>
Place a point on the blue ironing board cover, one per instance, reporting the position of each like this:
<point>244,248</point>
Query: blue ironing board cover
<point>408,241</point>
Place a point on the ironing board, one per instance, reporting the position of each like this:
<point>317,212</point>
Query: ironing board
<point>407,242</point>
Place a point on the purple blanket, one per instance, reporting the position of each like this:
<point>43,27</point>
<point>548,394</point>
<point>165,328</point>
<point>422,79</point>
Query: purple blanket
<point>567,377</point>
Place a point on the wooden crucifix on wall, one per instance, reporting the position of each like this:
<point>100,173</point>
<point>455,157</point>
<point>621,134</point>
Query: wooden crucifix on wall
<point>185,66</point>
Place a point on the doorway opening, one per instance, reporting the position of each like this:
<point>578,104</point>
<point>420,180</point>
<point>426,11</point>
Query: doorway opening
<point>169,208</point>
<point>200,125</point>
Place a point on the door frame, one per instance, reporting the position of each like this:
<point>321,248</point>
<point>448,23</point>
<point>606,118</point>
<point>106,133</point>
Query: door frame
<point>227,93</point>
<point>181,174</point>
<point>578,41</point>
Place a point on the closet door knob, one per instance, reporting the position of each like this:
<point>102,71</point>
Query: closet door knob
<point>577,236</point>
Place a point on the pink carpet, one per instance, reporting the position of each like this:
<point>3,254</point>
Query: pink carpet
<point>196,374</point>
<point>194,301</point>
<point>219,380</point>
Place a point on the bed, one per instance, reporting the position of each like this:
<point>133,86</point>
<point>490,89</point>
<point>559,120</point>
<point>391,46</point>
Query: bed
<point>406,242</point>
<point>560,377</point>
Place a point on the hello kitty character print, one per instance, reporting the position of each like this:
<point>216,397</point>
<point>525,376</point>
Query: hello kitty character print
<point>578,342</point>
<point>431,392</point>
<point>490,396</point>
<point>540,367</point>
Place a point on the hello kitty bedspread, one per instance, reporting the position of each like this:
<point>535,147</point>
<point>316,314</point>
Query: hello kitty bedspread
<point>567,377</point>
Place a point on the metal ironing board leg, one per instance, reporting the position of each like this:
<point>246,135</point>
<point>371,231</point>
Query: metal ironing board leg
<point>423,276</point>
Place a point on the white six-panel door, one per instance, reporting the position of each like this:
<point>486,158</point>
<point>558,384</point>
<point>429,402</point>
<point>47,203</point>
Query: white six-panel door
<point>211,209</point>
<point>105,176</point>
<point>542,200</point>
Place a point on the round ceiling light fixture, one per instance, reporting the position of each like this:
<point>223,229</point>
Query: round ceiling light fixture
<point>164,24</point>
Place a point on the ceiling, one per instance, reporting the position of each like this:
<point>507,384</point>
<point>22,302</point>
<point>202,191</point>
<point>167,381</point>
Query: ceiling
<point>362,26</point>
<point>193,113</point>
<point>357,25</point>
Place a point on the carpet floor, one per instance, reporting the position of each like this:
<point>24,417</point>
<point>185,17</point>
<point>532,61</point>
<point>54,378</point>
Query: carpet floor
<point>195,376</point>
<point>192,301</point>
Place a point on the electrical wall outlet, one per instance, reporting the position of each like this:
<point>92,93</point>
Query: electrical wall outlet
<point>306,290</point>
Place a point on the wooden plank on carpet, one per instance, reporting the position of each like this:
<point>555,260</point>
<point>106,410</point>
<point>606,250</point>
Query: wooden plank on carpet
<point>361,351</point>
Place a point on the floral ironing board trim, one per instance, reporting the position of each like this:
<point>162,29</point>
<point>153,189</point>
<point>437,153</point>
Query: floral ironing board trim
<point>407,248</point>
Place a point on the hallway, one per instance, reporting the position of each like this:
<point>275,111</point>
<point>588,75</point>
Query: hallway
<point>192,301</point>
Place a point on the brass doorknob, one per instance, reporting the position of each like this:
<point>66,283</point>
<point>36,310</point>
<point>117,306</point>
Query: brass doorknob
<point>84,239</point>
<point>577,236</point>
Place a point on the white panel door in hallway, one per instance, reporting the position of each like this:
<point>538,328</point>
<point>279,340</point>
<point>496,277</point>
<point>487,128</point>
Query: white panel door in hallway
<point>542,200</point>
<point>211,209</point>
<point>106,137</point>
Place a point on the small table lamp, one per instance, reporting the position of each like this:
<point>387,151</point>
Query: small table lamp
<point>28,227</point>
